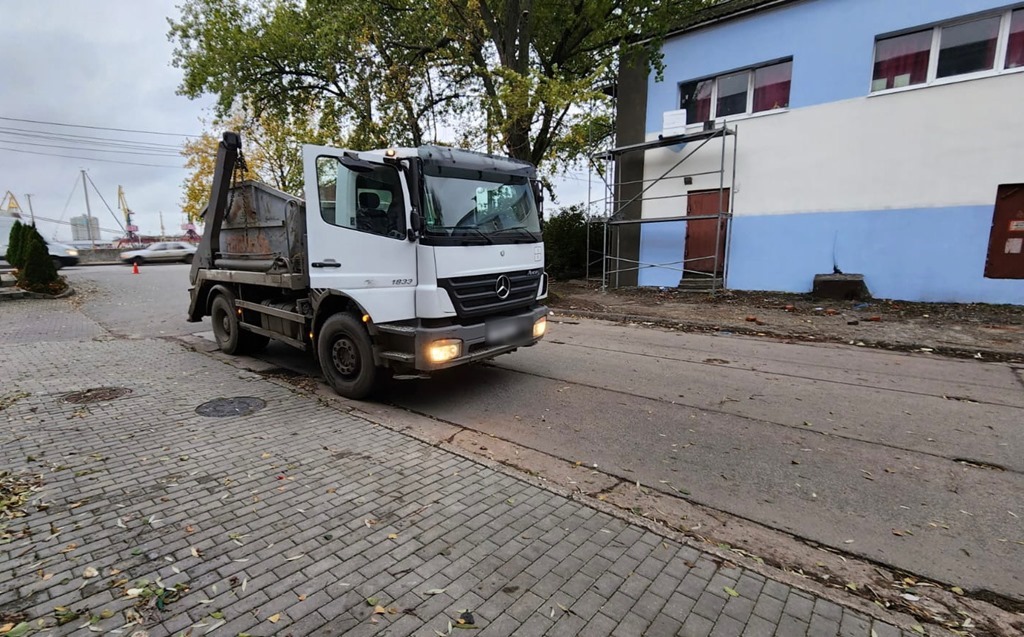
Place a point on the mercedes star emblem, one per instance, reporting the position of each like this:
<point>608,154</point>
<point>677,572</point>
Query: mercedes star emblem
<point>503,287</point>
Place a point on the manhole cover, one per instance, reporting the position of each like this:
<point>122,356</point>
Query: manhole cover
<point>95,395</point>
<point>237,406</point>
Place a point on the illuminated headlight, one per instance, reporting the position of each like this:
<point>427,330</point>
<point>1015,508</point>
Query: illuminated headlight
<point>72,253</point>
<point>444,350</point>
<point>540,327</point>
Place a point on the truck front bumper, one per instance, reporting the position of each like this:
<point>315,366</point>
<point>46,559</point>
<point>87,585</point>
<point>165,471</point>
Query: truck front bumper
<point>480,341</point>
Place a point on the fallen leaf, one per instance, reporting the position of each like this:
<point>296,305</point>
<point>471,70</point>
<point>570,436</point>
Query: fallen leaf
<point>6,628</point>
<point>371,601</point>
<point>434,591</point>
<point>295,557</point>
<point>46,576</point>
<point>851,586</point>
<point>264,455</point>
<point>918,628</point>
<point>69,548</point>
<point>730,591</point>
<point>190,529</point>
<point>90,572</point>
<point>217,614</point>
<point>910,598</point>
<point>273,619</point>
<point>957,590</point>
<point>19,630</point>
<point>379,610</point>
<point>392,536</point>
<point>195,552</point>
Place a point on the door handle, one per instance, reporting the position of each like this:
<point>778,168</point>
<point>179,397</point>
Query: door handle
<point>326,264</point>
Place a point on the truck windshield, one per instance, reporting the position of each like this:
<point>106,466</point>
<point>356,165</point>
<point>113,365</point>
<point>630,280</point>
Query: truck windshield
<point>477,206</point>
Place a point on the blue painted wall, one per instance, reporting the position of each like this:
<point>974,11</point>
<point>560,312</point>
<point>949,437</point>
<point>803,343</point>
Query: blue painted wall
<point>921,255</point>
<point>661,244</point>
<point>831,42</point>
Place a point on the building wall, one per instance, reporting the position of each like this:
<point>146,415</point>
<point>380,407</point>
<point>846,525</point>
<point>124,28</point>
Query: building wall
<point>899,187</point>
<point>81,225</point>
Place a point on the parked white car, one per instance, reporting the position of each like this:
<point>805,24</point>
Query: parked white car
<point>163,251</point>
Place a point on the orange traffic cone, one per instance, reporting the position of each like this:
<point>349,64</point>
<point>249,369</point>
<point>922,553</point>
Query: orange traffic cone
<point>135,268</point>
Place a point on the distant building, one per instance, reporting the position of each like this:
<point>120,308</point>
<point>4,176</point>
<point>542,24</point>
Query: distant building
<point>81,226</point>
<point>874,137</point>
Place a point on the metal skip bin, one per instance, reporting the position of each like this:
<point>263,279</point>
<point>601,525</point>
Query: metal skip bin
<point>263,231</point>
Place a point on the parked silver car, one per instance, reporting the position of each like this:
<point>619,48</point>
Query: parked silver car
<point>163,251</point>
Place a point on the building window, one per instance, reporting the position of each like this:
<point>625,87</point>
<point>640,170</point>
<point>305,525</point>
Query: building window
<point>902,61</point>
<point>948,51</point>
<point>754,90</point>
<point>1015,41</point>
<point>968,48</point>
<point>771,86</point>
<point>695,98</point>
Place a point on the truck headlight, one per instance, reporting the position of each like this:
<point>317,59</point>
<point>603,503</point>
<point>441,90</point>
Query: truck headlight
<point>540,327</point>
<point>444,350</point>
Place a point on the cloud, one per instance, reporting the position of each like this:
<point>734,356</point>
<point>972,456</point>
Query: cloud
<point>100,64</point>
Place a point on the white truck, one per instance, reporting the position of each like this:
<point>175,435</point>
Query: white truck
<point>399,262</point>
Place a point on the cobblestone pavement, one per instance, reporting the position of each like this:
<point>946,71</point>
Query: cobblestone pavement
<point>300,519</point>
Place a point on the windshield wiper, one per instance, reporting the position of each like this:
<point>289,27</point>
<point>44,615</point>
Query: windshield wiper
<point>529,234</point>
<point>460,228</point>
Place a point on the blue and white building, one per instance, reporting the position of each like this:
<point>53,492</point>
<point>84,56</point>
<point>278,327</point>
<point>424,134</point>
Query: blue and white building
<point>878,137</point>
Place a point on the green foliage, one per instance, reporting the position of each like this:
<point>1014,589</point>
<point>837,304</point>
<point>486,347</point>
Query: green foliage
<point>14,244</point>
<point>37,272</point>
<point>525,77</point>
<point>565,244</point>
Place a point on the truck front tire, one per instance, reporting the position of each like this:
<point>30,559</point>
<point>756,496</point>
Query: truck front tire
<point>346,356</point>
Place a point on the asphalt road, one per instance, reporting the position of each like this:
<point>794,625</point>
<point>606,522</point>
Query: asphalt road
<point>909,460</point>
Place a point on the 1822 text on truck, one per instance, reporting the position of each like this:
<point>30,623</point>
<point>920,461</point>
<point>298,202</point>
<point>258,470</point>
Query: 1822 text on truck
<point>398,262</point>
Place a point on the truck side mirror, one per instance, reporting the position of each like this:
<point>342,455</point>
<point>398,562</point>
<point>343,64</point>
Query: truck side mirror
<point>416,221</point>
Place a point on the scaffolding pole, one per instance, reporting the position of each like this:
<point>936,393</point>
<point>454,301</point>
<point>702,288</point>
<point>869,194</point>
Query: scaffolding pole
<point>616,204</point>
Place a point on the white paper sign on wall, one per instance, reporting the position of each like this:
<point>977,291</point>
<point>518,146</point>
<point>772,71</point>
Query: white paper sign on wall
<point>673,122</point>
<point>1013,246</point>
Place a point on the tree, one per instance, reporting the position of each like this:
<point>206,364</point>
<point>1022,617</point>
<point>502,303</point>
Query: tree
<point>565,243</point>
<point>271,145</point>
<point>14,244</point>
<point>37,272</point>
<point>526,76</point>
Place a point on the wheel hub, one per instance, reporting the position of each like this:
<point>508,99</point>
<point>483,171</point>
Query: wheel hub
<point>345,357</point>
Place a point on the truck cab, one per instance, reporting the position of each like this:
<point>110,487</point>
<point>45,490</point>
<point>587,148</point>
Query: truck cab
<point>398,262</point>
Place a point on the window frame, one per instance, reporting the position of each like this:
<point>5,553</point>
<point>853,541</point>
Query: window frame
<point>932,79</point>
<point>713,116</point>
<point>401,192</point>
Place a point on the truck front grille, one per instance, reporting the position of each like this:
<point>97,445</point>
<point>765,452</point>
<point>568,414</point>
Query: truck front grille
<point>478,295</point>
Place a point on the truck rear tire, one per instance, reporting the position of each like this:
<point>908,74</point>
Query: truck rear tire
<point>346,356</point>
<point>226,330</point>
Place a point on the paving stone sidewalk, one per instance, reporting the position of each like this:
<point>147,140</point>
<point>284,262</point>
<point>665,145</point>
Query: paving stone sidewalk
<point>299,519</point>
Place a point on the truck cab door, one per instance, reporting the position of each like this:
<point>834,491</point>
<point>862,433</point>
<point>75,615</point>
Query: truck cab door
<point>356,220</point>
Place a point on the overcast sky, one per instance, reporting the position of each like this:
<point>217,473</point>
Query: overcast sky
<point>102,63</point>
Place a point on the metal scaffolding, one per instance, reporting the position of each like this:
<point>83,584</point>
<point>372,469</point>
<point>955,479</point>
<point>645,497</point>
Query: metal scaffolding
<point>613,220</point>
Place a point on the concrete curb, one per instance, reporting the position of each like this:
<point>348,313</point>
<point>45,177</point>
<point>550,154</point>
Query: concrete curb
<point>25,294</point>
<point>694,326</point>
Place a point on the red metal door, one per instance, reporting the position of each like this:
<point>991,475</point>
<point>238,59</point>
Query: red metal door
<point>1006,242</point>
<point>701,234</point>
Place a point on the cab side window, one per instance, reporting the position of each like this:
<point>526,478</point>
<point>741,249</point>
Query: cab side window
<point>367,200</point>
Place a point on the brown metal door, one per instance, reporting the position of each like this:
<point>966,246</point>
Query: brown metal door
<point>701,234</point>
<point>1006,242</point>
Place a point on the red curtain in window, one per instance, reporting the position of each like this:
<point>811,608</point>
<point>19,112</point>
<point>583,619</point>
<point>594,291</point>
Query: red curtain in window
<point>1015,45</point>
<point>905,55</point>
<point>771,87</point>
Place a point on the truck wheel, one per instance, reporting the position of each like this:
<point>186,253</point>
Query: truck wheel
<point>225,325</point>
<point>346,356</point>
